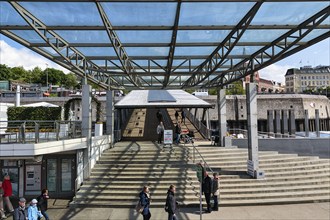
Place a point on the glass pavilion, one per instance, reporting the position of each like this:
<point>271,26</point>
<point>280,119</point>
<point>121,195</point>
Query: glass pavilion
<point>168,44</point>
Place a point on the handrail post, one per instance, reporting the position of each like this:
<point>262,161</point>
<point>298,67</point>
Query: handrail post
<point>36,132</point>
<point>57,130</point>
<point>22,132</point>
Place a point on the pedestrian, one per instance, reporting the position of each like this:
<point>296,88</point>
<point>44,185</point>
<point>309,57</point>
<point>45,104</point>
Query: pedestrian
<point>7,192</point>
<point>145,202</point>
<point>159,116</point>
<point>21,213</point>
<point>43,203</point>
<point>183,117</point>
<point>2,211</point>
<point>176,116</point>
<point>160,132</point>
<point>216,190</point>
<point>177,133</point>
<point>207,187</point>
<point>171,205</point>
<point>33,212</point>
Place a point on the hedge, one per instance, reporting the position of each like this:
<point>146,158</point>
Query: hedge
<point>33,113</point>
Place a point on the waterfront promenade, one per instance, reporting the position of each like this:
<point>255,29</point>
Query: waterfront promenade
<point>307,211</point>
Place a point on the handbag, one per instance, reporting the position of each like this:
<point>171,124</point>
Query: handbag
<point>139,207</point>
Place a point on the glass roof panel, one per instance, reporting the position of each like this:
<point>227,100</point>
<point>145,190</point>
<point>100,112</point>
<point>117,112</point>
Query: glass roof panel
<point>8,15</point>
<point>262,35</point>
<point>68,13</point>
<point>147,51</point>
<point>188,51</point>
<point>80,36</point>
<point>140,14</point>
<point>280,13</point>
<point>144,36</point>
<point>30,36</point>
<point>97,51</point>
<point>213,13</point>
<point>188,36</point>
<point>313,34</point>
<point>244,50</point>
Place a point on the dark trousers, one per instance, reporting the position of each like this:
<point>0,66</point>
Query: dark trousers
<point>216,203</point>
<point>171,216</point>
<point>44,213</point>
<point>147,217</point>
<point>160,136</point>
<point>208,200</point>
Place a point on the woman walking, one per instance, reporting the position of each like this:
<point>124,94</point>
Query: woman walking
<point>43,203</point>
<point>145,202</point>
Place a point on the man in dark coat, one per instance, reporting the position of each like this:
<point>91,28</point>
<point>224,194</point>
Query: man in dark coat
<point>171,203</point>
<point>21,212</point>
<point>207,190</point>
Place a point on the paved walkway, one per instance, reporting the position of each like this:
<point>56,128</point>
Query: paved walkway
<point>315,211</point>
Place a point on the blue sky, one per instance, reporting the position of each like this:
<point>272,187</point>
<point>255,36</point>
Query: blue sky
<point>13,54</point>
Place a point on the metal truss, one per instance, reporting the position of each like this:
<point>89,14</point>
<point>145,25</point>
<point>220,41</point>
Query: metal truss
<point>172,45</point>
<point>119,49</point>
<point>220,54</point>
<point>71,56</point>
<point>274,52</point>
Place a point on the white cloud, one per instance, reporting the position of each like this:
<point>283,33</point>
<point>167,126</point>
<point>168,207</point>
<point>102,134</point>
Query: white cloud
<point>14,57</point>
<point>275,72</point>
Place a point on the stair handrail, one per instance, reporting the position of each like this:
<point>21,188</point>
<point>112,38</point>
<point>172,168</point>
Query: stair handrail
<point>203,160</point>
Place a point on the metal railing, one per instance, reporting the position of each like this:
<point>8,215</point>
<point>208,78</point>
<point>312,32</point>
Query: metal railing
<point>241,133</point>
<point>202,161</point>
<point>198,124</point>
<point>33,131</point>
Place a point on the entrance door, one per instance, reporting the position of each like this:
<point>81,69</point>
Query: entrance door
<point>60,176</point>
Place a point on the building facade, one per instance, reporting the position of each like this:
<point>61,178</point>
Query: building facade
<point>307,78</point>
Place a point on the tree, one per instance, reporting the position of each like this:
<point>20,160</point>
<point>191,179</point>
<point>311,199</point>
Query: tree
<point>35,75</point>
<point>236,89</point>
<point>5,72</point>
<point>70,81</point>
<point>18,73</point>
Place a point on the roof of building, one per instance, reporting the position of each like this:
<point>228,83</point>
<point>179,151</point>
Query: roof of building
<point>40,104</point>
<point>165,99</point>
<point>309,70</point>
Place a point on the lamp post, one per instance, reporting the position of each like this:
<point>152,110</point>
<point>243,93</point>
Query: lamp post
<point>47,75</point>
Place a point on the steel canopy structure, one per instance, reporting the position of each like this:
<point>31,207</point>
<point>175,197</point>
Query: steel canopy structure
<point>168,44</point>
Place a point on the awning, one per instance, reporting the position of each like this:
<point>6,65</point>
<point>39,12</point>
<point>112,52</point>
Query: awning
<point>165,99</point>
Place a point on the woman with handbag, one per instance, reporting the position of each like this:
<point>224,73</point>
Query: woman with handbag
<point>145,202</point>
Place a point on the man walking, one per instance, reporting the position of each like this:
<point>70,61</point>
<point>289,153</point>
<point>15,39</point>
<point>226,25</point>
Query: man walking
<point>171,203</point>
<point>207,187</point>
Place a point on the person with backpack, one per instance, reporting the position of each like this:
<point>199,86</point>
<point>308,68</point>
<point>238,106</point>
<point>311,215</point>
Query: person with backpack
<point>43,203</point>
<point>145,202</point>
<point>171,204</point>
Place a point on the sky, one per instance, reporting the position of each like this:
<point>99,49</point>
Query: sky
<point>13,54</point>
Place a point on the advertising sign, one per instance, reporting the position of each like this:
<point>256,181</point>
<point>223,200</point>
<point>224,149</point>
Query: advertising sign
<point>168,137</point>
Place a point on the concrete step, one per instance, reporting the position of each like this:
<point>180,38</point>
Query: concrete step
<point>193,197</point>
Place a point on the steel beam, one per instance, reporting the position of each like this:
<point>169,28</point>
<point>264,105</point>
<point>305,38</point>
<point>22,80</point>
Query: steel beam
<point>220,54</point>
<point>172,45</point>
<point>71,56</point>
<point>119,49</point>
<point>274,52</point>
<point>156,28</point>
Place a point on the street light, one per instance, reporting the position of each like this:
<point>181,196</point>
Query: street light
<point>47,75</point>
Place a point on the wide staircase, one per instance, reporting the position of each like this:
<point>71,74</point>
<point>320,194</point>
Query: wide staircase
<point>122,171</point>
